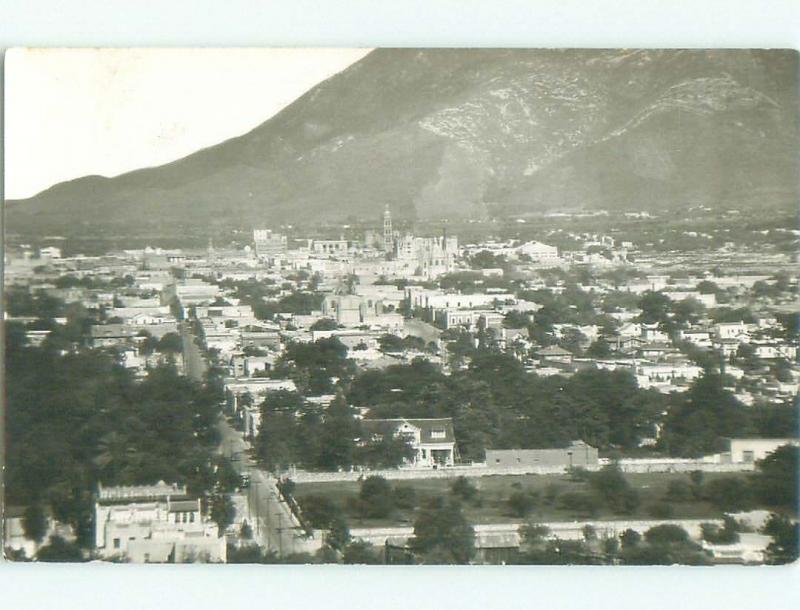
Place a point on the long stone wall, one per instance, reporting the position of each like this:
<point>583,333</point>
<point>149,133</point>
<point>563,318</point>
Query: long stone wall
<point>481,470</point>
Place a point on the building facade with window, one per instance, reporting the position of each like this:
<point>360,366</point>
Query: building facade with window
<point>750,450</point>
<point>576,454</point>
<point>154,524</point>
<point>432,440</point>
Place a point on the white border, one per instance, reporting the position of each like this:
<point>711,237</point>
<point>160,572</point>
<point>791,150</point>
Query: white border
<point>526,23</point>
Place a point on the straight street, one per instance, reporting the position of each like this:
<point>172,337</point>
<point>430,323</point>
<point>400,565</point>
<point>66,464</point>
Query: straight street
<point>274,525</point>
<point>194,364</point>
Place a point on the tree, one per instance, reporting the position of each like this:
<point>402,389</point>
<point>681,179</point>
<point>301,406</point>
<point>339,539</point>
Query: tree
<point>34,523</point>
<point>579,503</point>
<point>775,483</point>
<point>785,535</point>
<point>699,420</point>
<point>678,491</point>
<point>464,489</point>
<point>611,485</point>
<point>729,493</point>
<point>324,324</point>
<point>599,348</point>
<point>727,534</point>
<point>360,552</point>
<point>222,511</point>
<point>533,536</point>
<point>707,287</point>
<point>666,534</point>
<point>338,533</point>
<point>655,307</point>
<point>390,343</point>
<point>687,311</point>
<point>521,503</point>
<point>59,550</point>
<point>487,260</point>
<point>405,496</point>
<point>376,499</point>
<point>338,432</point>
<point>103,424</point>
<point>573,340</point>
<point>148,345</point>
<point>684,553</point>
<point>249,553</point>
<point>630,539</point>
<point>320,511</point>
<point>228,479</point>
<point>441,528</point>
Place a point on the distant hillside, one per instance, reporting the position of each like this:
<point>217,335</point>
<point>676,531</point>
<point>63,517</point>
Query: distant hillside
<point>471,133</point>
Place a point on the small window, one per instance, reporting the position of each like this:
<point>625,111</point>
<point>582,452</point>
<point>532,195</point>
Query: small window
<point>748,456</point>
<point>147,557</point>
<point>439,433</point>
<point>497,460</point>
<point>191,517</point>
<point>116,543</point>
<point>131,538</point>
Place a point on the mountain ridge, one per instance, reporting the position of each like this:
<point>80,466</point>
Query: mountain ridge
<point>471,133</point>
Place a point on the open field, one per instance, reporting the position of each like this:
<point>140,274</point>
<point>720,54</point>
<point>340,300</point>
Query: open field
<point>491,503</point>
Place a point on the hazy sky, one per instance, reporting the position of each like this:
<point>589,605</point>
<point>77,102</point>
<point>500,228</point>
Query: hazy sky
<point>75,112</point>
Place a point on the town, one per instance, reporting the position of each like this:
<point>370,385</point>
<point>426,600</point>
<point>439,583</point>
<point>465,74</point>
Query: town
<point>605,388</point>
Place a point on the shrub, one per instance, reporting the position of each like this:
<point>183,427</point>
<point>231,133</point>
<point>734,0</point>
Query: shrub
<point>580,503</point>
<point>661,510</point>
<point>610,546</point>
<point>727,534</point>
<point>360,553</point>
<point>405,497</point>
<point>462,488</point>
<point>551,492</point>
<point>666,534</point>
<point>612,486</point>
<point>319,511</point>
<point>533,533</point>
<point>630,538</point>
<point>679,491</point>
<point>521,503</point>
<point>376,499</point>
<point>729,493</point>
<point>58,549</point>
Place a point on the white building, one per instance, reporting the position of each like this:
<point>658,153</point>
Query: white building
<point>432,440</point>
<point>749,450</point>
<point>429,256</point>
<point>269,244</point>
<point>154,524</point>
<point>538,251</point>
<point>731,330</point>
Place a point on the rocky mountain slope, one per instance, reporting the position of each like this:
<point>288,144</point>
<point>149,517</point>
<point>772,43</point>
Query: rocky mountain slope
<point>471,133</point>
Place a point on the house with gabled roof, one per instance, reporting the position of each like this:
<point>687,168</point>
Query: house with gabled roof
<point>555,353</point>
<point>433,440</point>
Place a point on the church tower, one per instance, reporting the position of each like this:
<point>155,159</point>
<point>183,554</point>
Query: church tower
<point>388,238</point>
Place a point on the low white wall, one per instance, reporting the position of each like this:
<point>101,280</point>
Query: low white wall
<point>481,470</point>
<point>565,530</point>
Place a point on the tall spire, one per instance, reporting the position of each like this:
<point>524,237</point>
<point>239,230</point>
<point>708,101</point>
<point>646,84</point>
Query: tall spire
<point>388,238</point>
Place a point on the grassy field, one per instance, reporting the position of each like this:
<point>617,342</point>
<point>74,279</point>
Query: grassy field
<point>491,504</point>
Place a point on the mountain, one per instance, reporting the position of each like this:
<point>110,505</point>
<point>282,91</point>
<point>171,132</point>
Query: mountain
<point>475,133</point>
